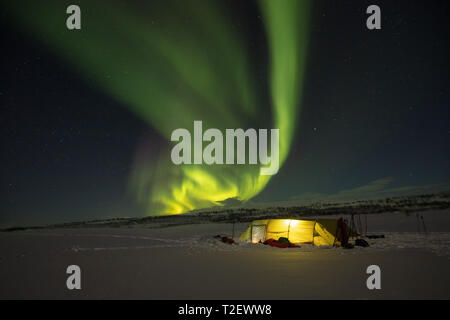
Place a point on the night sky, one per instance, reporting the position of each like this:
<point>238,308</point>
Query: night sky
<point>374,110</point>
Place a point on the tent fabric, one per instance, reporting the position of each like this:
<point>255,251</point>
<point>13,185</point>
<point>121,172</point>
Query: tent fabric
<point>320,232</point>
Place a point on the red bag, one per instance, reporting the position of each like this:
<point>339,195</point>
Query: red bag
<point>275,243</point>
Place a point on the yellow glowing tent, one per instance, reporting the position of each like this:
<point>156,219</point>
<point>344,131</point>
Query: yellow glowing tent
<point>320,232</point>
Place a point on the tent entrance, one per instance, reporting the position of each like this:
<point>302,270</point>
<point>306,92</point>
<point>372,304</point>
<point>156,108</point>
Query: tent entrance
<point>258,233</point>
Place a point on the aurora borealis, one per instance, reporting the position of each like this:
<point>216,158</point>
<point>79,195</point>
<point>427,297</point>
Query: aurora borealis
<point>173,73</point>
<point>347,102</point>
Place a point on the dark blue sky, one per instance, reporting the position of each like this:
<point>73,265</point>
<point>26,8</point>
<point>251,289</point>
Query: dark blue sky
<point>375,105</point>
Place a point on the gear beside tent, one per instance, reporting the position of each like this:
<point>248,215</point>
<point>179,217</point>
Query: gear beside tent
<point>281,243</point>
<point>320,232</point>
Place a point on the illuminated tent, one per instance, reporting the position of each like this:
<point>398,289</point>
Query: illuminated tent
<point>320,232</point>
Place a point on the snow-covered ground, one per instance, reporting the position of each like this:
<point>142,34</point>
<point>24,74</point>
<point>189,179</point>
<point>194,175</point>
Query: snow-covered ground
<point>186,262</point>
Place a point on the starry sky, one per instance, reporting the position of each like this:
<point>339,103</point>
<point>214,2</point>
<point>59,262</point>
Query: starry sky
<point>375,110</point>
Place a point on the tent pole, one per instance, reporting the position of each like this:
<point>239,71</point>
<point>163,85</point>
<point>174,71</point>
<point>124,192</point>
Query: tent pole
<point>352,224</point>
<point>423,224</point>
<point>360,224</point>
<point>232,234</point>
<point>289,229</point>
<point>314,230</point>
<point>335,235</point>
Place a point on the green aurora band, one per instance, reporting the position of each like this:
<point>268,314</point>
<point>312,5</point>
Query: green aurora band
<point>175,63</point>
